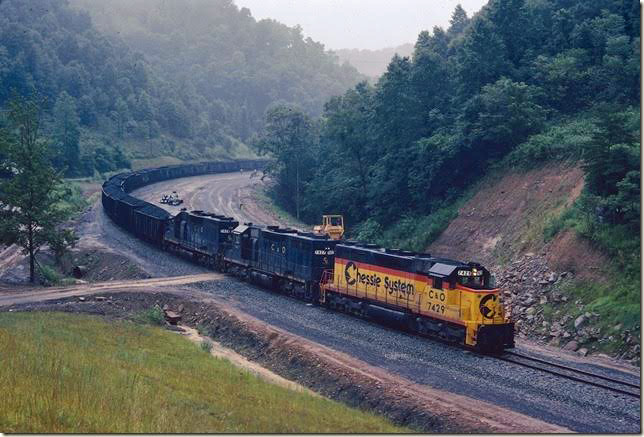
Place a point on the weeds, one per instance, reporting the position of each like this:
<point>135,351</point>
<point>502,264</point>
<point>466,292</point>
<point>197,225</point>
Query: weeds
<point>206,345</point>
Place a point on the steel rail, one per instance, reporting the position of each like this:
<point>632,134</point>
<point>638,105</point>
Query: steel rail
<point>572,369</point>
<point>573,378</point>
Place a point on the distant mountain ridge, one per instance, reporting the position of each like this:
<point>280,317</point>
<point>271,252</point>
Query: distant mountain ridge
<point>372,63</point>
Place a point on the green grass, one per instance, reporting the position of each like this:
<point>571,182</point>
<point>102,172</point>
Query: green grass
<point>63,373</point>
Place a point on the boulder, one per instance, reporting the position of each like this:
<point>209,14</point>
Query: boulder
<point>172,317</point>
<point>79,271</point>
<point>566,334</point>
<point>100,298</point>
<point>530,311</point>
<point>579,321</point>
<point>552,277</point>
<point>82,299</point>
<point>543,300</point>
<point>583,351</point>
<point>571,346</point>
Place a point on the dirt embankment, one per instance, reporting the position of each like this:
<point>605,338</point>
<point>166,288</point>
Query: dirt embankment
<point>323,370</point>
<point>507,216</point>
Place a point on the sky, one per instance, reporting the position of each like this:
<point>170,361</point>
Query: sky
<point>361,24</point>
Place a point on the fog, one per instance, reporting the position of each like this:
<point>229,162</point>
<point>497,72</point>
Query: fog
<point>362,24</point>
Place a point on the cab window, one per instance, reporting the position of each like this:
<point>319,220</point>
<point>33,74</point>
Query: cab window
<point>471,281</point>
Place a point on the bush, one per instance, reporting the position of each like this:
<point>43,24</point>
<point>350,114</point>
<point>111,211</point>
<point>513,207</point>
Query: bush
<point>49,276</point>
<point>152,316</point>
<point>563,142</point>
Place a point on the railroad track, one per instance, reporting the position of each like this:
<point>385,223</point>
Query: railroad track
<point>571,373</point>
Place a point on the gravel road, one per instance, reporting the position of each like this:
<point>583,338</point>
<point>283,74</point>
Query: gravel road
<point>552,399</point>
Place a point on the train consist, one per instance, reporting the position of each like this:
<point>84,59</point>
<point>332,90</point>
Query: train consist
<point>437,297</point>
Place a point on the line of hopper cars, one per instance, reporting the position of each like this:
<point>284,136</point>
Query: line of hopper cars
<point>438,297</point>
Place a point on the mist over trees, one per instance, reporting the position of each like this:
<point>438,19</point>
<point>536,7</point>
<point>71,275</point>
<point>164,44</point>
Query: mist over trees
<point>372,62</point>
<point>125,80</point>
<point>522,80</point>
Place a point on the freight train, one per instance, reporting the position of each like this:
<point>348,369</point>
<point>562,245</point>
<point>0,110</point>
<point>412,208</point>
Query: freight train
<point>431,296</point>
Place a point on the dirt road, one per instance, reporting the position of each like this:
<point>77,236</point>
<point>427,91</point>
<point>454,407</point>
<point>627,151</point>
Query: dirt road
<point>26,295</point>
<point>228,194</point>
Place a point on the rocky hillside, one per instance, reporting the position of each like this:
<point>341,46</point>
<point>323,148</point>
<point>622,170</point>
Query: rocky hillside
<point>502,226</point>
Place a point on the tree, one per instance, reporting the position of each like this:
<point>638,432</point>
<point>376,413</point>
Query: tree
<point>120,115</point>
<point>67,133</point>
<point>29,216</point>
<point>482,58</point>
<point>501,117</point>
<point>459,20</point>
<point>289,137</point>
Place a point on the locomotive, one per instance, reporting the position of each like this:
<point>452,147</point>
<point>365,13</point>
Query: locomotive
<point>430,296</point>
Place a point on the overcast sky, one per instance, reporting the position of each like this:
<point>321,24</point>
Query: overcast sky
<point>362,24</point>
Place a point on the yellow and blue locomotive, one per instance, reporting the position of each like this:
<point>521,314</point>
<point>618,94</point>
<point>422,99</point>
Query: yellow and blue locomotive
<point>434,296</point>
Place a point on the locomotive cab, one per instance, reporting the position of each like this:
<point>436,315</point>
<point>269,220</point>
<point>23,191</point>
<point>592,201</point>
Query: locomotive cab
<point>483,313</point>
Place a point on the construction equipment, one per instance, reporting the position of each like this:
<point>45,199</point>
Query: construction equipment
<point>172,199</point>
<point>332,225</point>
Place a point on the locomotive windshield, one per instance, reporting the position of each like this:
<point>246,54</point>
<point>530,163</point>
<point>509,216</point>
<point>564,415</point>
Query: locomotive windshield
<point>472,278</point>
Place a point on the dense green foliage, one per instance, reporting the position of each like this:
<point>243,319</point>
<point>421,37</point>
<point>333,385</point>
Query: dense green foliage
<point>184,79</point>
<point>522,82</point>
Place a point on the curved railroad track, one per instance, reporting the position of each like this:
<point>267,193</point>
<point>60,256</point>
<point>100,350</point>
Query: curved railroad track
<point>573,374</point>
<point>425,362</point>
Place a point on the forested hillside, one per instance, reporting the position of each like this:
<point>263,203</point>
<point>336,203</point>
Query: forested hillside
<point>228,66</point>
<point>521,84</point>
<point>534,79</point>
<point>188,80</point>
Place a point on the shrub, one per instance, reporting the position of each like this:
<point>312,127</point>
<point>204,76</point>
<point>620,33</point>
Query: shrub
<point>151,316</point>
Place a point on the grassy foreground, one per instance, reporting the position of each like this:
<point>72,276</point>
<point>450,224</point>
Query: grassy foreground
<point>63,373</point>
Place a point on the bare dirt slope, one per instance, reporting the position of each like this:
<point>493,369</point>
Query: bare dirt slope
<point>505,219</point>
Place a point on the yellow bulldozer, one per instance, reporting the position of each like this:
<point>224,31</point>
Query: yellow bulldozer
<point>332,225</point>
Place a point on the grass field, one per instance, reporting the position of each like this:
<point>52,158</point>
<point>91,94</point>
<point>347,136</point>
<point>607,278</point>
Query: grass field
<point>63,373</point>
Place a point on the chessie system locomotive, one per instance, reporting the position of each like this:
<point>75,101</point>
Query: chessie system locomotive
<point>437,297</point>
